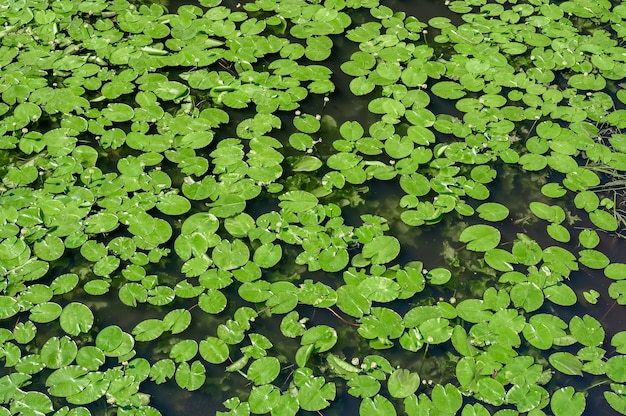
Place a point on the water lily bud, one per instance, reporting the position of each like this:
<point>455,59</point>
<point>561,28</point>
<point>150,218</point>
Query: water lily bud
<point>452,300</point>
<point>318,117</point>
<point>24,130</point>
<point>298,112</point>
<point>355,361</point>
<point>326,99</point>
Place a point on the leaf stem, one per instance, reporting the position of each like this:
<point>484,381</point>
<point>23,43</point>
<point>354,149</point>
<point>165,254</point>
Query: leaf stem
<point>341,318</point>
<point>608,311</point>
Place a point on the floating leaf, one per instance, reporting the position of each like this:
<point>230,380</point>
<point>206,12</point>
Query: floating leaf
<point>382,249</point>
<point>214,350</point>
<point>603,220</point>
<point>264,370</point>
<point>480,237</point>
<point>566,363</point>
<point>379,405</point>
<point>492,211</point>
<point>298,201</point>
<point>616,368</point>
<point>565,402</point>
<point>587,330</point>
<point>148,330</point>
<point>446,399</point>
<point>363,386</point>
<point>402,383</point>
<point>76,318</point>
<point>190,377</point>
<point>172,204</point>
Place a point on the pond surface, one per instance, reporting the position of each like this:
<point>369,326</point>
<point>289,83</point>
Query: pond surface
<point>247,239</point>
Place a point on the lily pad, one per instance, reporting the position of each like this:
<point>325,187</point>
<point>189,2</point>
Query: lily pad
<point>480,237</point>
<point>382,249</point>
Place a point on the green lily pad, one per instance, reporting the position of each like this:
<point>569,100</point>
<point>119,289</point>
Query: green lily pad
<point>566,402</point>
<point>382,249</point>
<point>76,318</point>
<point>172,204</point>
<point>566,363</point>
<point>118,112</point>
<point>264,370</point>
<point>480,237</point>
<point>379,405</point>
<point>214,350</point>
<point>298,201</point>
<point>492,211</point>
<point>190,377</point>
<point>603,220</point>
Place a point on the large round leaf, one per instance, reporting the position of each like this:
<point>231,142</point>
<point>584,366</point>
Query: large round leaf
<point>480,237</point>
<point>402,383</point>
<point>76,318</point>
<point>565,402</point>
<point>381,249</point>
<point>264,370</point>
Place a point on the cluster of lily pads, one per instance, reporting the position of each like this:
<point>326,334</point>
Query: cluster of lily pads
<point>191,167</point>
